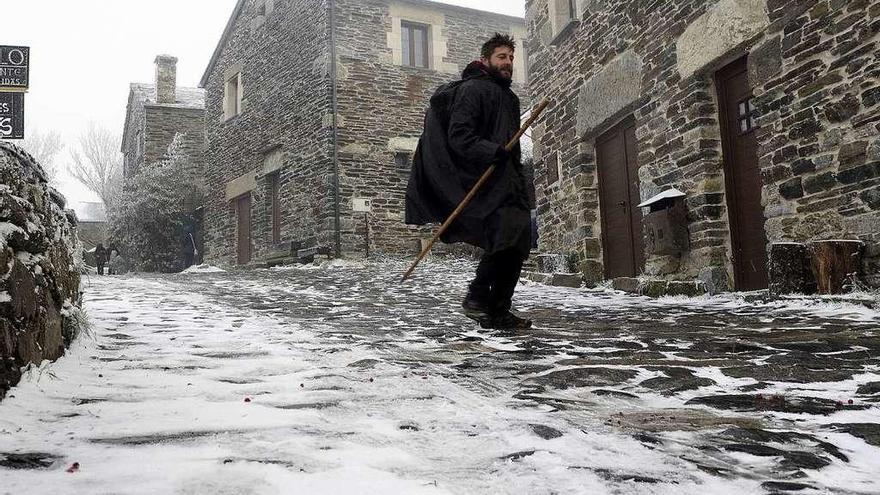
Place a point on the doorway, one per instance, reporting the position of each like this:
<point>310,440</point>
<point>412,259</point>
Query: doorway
<point>742,177</point>
<point>622,242</point>
<point>243,214</point>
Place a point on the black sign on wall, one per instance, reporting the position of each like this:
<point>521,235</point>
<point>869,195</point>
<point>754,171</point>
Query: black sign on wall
<point>14,67</point>
<point>12,115</point>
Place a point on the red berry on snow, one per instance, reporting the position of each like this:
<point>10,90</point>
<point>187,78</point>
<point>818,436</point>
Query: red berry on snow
<point>371,380</point>
<point>247,399</point>
<point>73,468</point>
<point>850,401</point>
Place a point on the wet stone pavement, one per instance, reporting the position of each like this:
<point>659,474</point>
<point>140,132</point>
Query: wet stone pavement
<point>338,379</point>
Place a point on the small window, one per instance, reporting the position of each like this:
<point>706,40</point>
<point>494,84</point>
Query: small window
<point>572,10</point>
<point>402,161</point>
<point>746,116</point>
<point>553,168</point>
<point>414,43</point>
<point>232,96</point>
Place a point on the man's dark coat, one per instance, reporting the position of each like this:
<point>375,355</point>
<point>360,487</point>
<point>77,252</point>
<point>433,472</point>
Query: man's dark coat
<point>466,123</point>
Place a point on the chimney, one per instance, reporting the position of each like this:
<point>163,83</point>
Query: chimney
<point>166,79</point>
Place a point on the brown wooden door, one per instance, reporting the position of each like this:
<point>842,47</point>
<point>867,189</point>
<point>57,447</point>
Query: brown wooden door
<point>742,177</point>
<point>274,208</point>
<point>243,212</point>
<point>622,242</point>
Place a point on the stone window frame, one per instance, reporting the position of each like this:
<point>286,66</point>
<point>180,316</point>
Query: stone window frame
<point>425,30</point>
<point>232,109</point>
<point>437,42</point>
<point>564,18</point>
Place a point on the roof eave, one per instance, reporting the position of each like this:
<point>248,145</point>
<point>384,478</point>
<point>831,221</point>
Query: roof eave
<point>220,44</point>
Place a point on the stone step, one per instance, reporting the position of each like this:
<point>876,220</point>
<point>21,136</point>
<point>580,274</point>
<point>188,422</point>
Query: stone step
<point>573,280</point>
<point>658,287</point>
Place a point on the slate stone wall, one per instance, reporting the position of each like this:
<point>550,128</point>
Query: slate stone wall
<point>284,59</point>
<point>163,122</point>
<point>40,259</point>
<point>382,105</point>
<point>285,68</point>
<point>813,67</point>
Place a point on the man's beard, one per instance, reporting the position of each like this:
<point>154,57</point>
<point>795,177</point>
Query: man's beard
<point>496,72</point>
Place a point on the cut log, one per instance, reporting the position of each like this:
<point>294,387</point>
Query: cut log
<point>835,263</point>
<point>789,269</point>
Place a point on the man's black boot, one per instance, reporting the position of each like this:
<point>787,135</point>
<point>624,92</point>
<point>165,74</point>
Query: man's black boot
<point>477,311</point>
<point>509,321</point>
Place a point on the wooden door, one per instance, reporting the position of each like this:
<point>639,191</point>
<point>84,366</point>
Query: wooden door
<point>274,208</point>
<point>243,213</point>
<point>622,242</point>
<point>742,177</point>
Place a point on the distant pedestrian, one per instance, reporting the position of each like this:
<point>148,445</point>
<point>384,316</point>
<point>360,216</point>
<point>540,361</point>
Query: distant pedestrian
<point>466,129</point>
<point>190,251</point>
<point>100,257</point>
<point>113,261</point>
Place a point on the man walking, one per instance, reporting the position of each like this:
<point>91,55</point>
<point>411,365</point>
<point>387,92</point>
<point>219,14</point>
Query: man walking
<point>466,129</point>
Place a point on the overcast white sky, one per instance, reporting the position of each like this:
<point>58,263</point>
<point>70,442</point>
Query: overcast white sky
<point>84,54</point>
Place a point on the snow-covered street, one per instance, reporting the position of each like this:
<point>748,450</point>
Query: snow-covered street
<point>338,379</point>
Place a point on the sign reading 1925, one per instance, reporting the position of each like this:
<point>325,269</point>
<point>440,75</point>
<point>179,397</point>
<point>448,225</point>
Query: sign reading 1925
<point>14,67</point>
<point>12,115</point>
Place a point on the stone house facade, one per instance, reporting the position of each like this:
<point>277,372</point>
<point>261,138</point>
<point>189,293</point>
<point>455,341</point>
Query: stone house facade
<point>285,170</point>
<point>156,113</point>
<point>758,119</point>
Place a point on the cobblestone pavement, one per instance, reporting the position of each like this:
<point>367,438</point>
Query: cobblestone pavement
<point>341,380</point>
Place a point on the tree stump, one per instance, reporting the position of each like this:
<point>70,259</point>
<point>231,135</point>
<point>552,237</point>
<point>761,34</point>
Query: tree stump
<point>834,263</point>
<point>789,269</point>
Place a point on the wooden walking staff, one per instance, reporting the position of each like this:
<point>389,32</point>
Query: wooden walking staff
<point>473,192</point>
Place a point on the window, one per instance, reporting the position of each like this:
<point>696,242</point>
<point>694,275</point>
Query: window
<point>563,18</point>
<point>414,40</point>
<point>747,114</point>
<point>553,172</point>
<point>274,207</point>
<point>572,10</point>
<point>401,160</point>
<point>232,97</point>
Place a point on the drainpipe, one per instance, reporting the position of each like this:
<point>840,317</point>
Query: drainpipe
<point>335,107</point>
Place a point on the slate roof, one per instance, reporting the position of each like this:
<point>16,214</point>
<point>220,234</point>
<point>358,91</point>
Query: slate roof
<point>186,97</point>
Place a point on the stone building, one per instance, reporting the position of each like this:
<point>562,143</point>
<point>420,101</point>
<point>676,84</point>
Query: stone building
<point>286,170</point>
<point>758,119</point>
<point>156,113</point>
<point>91,224</point>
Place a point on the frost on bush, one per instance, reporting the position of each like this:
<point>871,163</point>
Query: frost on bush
<point>148,219</point>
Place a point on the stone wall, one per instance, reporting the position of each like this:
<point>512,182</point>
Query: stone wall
<point>813,67</point>
<point>284,63</point>
<point>40,260</point>
<point>817,74</point>
<point>283,56</point>
<point>163,122</point>
<point>382,105</point>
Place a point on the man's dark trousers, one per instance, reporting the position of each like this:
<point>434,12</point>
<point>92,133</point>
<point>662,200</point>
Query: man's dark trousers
<point>496,279</point>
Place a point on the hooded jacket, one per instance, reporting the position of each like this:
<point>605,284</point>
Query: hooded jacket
<point>466,124</point>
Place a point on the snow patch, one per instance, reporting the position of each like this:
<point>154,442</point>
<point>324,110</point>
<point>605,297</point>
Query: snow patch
<point>203,269</point>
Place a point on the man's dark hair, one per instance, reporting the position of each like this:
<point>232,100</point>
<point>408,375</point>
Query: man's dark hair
<point>497,41</point>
